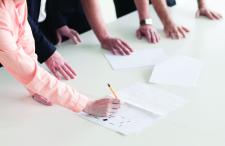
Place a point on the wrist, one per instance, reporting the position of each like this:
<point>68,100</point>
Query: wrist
<point>87,108</point>
<point>51,58</point>
<point>62,28</point>
<point>55,55</point>
<point>102,38</point>
<point>168,23</point>
<point>201,4</point>
<point>147,21</point>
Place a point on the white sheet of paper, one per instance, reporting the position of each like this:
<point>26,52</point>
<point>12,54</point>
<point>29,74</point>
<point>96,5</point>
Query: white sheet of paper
<point>143,105</point>
<point>128,120</point>
<point>151,99</point>
<point>139,58</point>
<point>180,70</point>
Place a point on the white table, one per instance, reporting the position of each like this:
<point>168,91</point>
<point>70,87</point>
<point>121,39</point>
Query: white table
<point>24,122</point>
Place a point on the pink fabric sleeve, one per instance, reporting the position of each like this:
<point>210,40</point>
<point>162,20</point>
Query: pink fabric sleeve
<point>25,69</point>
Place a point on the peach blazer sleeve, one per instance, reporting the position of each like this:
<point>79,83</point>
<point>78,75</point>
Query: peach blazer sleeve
<point>18,58</point>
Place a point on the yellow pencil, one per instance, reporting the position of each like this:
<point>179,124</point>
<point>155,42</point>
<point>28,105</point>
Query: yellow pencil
<point>113,92</point>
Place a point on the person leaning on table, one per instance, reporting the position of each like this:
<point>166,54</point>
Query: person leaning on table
<point>59,13</point>
<point>45,50</point>
<point>17,55</point>
<point>171,29</point>
<point>47,54</point>
<point>66,19</point>
<point>175,31</point>
<point>63,16</point>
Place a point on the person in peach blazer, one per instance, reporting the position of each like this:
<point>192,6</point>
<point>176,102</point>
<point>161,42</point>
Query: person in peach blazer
<point>17,55</point>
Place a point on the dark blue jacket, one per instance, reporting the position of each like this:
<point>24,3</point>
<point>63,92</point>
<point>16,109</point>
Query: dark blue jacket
<point>59,10</point>
<point>124,7</point>
<point>64,12</point>
<point>44,48</point>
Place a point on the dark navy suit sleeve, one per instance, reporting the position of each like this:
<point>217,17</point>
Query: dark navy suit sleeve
<point>60,10</point>
<point>124,7</point>
<point>171,3</point>
<point>54,14</point>
<point>44,49</point>
<point>59,20</point>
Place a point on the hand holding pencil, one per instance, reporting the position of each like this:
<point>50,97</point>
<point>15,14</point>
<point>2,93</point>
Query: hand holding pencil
<point>103,107</point>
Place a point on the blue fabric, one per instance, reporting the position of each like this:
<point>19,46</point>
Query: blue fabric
<point>43,48</point>
<point>124,7</point>
<point>60,13</point>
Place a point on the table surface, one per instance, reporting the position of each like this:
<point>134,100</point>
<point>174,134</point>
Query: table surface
<point>201,122</point>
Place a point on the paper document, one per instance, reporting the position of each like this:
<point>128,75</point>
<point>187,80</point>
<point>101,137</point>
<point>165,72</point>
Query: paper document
<point>151,99</point>
<point>139,58</point>
<point>127,120</point>
<point>181,71</point>
<point>142,106</point>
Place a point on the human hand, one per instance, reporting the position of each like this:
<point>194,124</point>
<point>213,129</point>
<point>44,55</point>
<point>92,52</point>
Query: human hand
<point>208,13</point>
<point>149,32</point>
<point>57,65</point>
<point>103,107</point>
<point>175,32</point>
<point>116,46</point>
<point>69,33</point>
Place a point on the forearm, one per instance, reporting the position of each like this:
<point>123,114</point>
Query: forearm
<point>37,80</point>
<point>143,9</point>
<point>162,11</point>
<point>94,15</point>
<point>26,70</point>
<point>201,3</point>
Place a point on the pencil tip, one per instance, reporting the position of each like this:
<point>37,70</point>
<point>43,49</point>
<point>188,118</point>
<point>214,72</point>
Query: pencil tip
<point>108,85</point>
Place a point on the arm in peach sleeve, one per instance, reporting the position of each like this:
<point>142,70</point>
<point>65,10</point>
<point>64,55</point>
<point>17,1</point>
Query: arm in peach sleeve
<point>26,70</point>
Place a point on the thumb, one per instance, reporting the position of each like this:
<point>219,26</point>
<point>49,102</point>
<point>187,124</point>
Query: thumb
<point>59,37</point>
<point>138,34</point>
<point>197,14</point>
<point>167,33</point>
